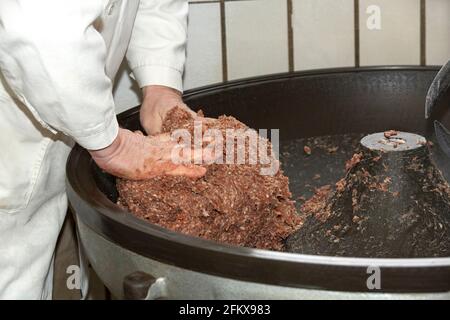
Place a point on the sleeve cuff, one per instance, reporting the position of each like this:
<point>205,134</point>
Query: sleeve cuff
<point>100,137</point>
<point>158,75</point>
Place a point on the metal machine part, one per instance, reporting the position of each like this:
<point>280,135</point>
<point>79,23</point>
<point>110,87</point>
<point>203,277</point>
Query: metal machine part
<point>439,87</point>
<point>400,141</point>
<point>137,284</point>
<point>443,137</point>
<point>179,283</point>
<point>304,104</point>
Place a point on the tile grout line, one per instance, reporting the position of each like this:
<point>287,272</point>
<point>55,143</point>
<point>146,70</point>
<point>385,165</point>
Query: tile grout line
<point>356,32</point>
<point>290,36</point>
<point>423,33</point>
<point>223,34</point>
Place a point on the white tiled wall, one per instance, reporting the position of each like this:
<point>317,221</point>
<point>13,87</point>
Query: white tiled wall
<point>438,31</point>
<point>204,50</point>
<point>323,33</point>
<point>257,42</point>
<point>398,40</point>
<point>256,33</point>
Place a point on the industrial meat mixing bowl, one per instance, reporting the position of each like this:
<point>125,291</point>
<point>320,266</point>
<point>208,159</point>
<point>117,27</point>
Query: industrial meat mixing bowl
<point>136,259</point>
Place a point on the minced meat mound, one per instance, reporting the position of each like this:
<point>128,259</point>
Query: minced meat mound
<point>388,205</point>
<point>232,203</point>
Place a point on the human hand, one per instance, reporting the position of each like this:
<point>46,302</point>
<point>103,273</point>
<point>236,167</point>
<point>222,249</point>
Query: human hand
<point>157,102</point>
<point>137,157</point>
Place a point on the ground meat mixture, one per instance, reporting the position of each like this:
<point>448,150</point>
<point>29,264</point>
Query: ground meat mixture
<point>389,205</point>
<point>232,203</point>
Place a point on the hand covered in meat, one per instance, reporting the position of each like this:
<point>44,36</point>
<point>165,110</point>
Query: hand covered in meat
<point>158,100</point>
<point>134,156</point>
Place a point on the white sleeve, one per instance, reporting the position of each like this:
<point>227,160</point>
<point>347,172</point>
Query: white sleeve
<point>54,61</point>
<point>157,49</point>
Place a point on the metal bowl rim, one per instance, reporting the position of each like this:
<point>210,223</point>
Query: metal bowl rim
<point>113,212</point>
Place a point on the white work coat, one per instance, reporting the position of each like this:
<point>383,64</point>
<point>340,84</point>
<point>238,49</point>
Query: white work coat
<point>57,62</point>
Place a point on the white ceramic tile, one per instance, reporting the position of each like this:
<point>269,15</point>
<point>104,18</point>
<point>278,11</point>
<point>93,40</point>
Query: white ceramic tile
<point>204,57</point>
<point>398,40</point>
<point>438,31</point>
<point>323,33</point>
<point>256,37</point>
